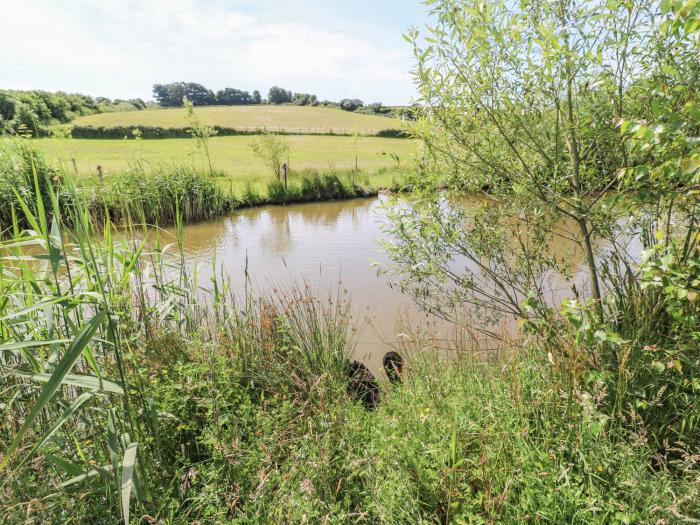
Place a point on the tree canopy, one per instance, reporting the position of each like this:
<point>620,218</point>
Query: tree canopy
<point>32,112</point>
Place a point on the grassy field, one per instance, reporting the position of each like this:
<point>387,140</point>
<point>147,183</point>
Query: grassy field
<point>288,118</point>
<point>230,155</point>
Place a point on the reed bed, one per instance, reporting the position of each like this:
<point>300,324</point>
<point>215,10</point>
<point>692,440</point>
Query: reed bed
<point>156,196</point>
<point>88,317</point>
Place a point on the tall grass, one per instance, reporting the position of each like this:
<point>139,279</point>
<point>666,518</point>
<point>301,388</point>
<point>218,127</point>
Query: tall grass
<point>80,314</point>
<point>159,196</point>
<point>314,186</point>
<point>17,162</point>
<point>153,197</point>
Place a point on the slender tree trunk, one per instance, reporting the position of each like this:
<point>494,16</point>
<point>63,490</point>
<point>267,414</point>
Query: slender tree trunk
<point>580,212</point>
<point>206,149</point>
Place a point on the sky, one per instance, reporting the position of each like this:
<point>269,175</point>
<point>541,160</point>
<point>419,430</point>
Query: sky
<point>119,48</point>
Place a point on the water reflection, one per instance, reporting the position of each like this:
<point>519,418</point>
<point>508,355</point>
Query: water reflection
<point>328,244</point>
<point>331,245</point>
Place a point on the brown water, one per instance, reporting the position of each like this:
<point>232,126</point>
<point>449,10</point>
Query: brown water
<point>330,245</point>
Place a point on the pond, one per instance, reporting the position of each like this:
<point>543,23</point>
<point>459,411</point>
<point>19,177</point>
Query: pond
<point>330,245</point>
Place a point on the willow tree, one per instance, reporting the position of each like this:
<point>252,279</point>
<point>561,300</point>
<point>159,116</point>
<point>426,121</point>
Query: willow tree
<point>523,101</point>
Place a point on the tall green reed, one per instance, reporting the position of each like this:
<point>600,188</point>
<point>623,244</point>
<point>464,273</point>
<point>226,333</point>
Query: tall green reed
<point>80,300</point>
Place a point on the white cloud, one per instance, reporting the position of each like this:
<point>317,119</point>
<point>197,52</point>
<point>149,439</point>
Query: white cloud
<point>121,47</point>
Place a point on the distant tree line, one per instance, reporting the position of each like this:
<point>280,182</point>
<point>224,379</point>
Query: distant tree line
<point>171,95</point>
<point>32,112</point>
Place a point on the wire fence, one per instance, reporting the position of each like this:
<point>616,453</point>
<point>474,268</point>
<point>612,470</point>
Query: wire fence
<point>315,130</point>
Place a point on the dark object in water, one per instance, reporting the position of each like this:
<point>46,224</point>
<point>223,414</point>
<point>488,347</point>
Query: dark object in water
<point>393,366</point>
<point>362,385</point>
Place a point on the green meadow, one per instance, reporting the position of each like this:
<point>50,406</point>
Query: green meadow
<point>232,156</point>
<point>271,117</point>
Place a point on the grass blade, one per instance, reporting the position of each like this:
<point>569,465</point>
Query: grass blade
<point>72,409</point>
<point>30,344</point>
<point>104,472</point>
<point>128,478</point>
<point>85,381</point>
<point>32,308</point>
<point>68,466</point>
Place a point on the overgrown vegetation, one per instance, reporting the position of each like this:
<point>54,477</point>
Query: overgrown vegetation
<point>138,401</point>
<point>155,196</point>
<point>546,106</point>
<point>32,112</point>
<point>17,183</point>
<point>164,400</point>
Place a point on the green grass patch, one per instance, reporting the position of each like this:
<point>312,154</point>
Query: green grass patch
<point>232,157</point>
<point>159,195</point>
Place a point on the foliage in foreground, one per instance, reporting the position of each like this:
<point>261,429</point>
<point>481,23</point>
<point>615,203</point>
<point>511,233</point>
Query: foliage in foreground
<point>129,390</point>
<point>579,123</point>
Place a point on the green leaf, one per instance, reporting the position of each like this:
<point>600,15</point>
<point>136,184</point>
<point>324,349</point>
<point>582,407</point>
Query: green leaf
<point>658,366</point>
<point>68,466</point>
<point>30,344</point>
<point>62,368</point>
<point>105,472</point>
<point>81,380</point>
<point>72,409</point>
<point>128,478</point>
<point>31,308</point>
<point>689,165</point>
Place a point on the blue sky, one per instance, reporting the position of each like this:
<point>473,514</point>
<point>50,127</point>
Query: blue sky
<point>120,48</point>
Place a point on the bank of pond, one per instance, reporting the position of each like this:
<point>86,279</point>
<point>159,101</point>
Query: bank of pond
<point>138,385</point>
<point>156,196</point>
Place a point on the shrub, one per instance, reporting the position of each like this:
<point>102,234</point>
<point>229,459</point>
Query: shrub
<point>393,133</point>
<point>34,111</point>
<point>19,164</point>
<point>250,196</point>
<point>277,193</point>
<point>324,186</point>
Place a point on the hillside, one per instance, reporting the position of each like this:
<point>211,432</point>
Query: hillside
<point>286,118</point>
